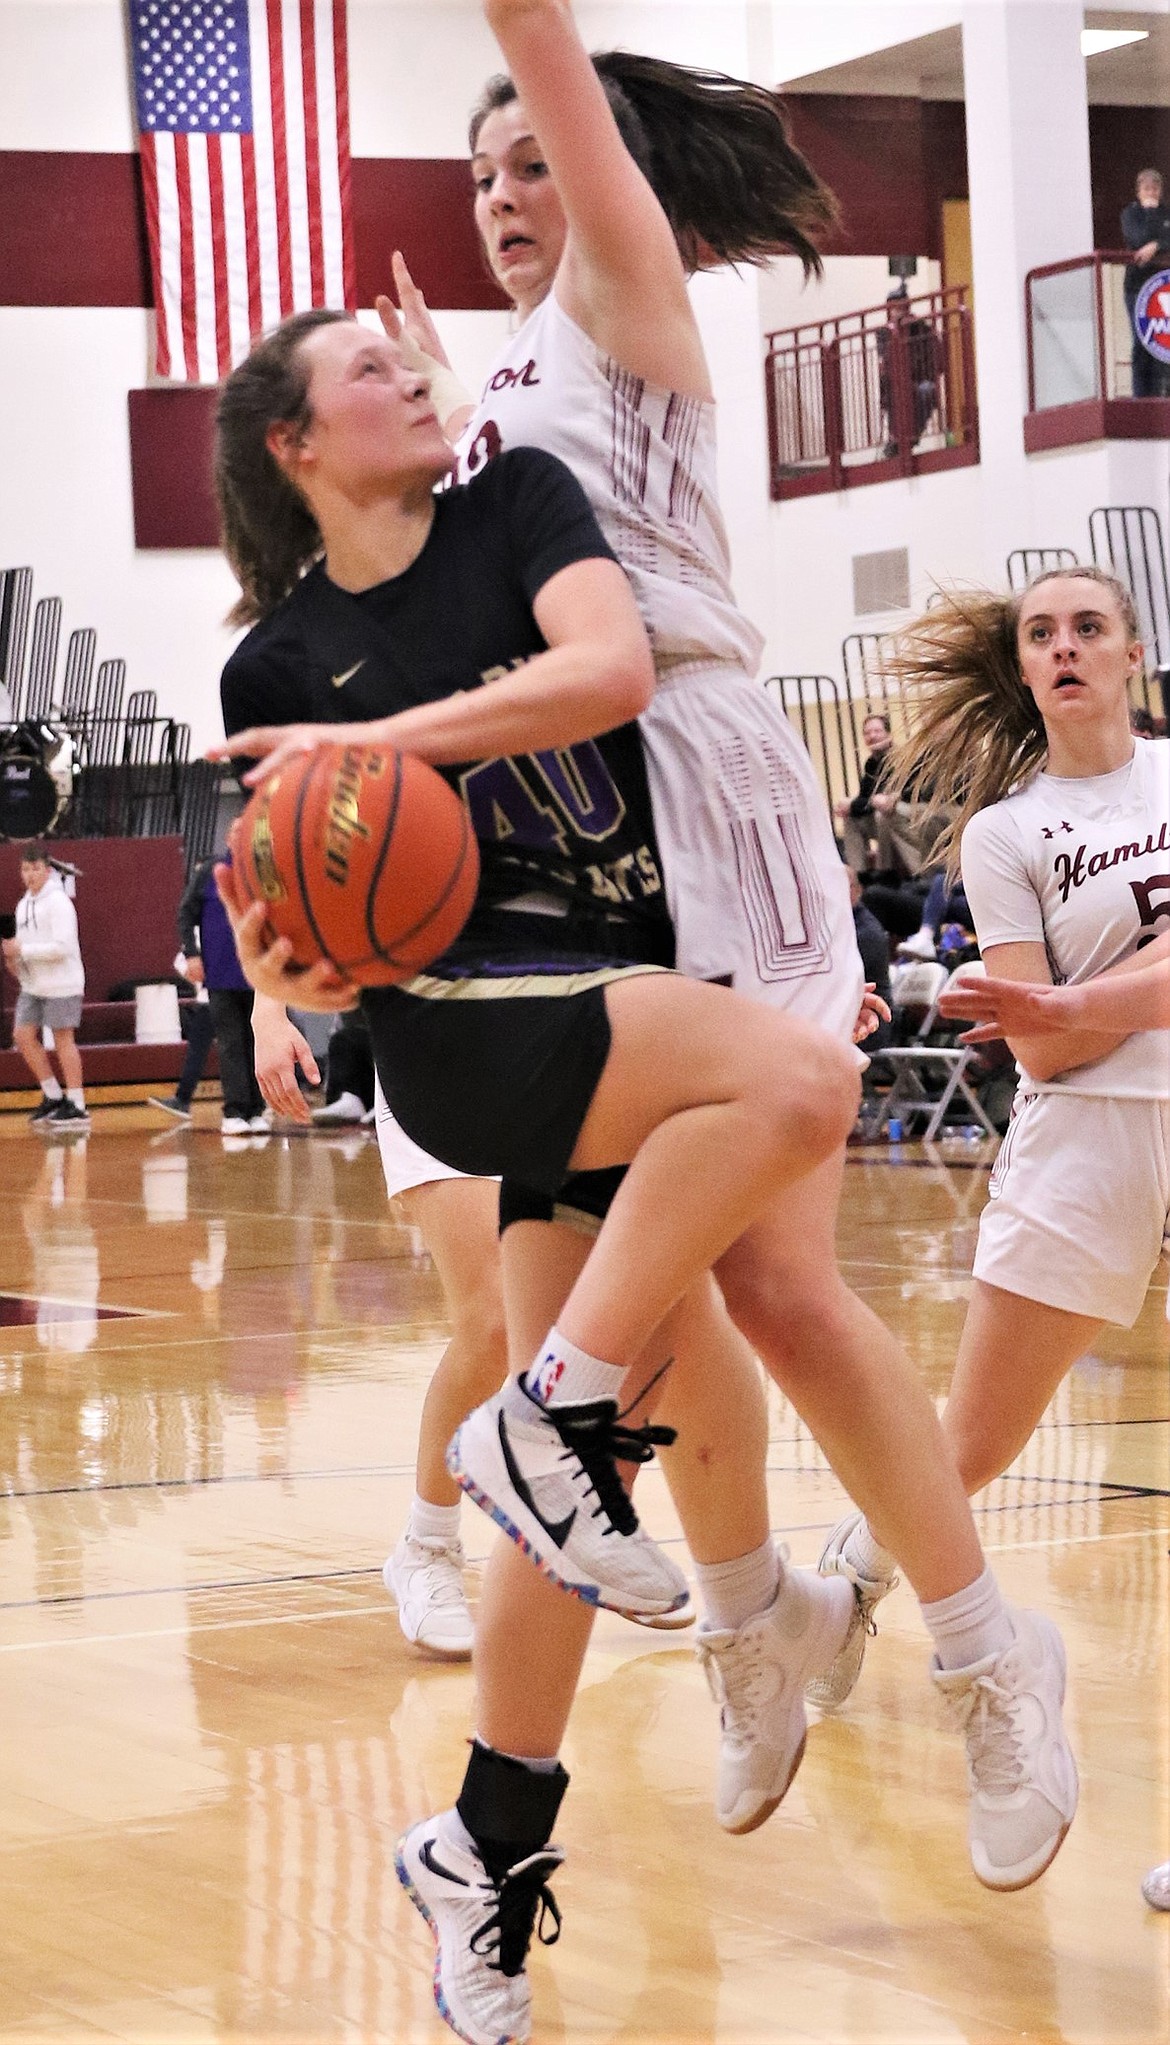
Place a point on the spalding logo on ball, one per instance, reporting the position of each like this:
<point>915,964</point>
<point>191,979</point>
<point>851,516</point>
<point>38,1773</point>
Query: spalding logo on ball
<point>362,856</point>
<point>1151,315</point>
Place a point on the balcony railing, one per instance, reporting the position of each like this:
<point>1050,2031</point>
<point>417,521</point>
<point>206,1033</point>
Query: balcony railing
<point>1080,357</point>
<point>873,395</point>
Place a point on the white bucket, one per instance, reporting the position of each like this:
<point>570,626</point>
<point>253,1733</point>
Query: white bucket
<point>156,1014</point>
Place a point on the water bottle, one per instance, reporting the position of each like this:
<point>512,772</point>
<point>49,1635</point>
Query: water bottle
<point>894,1129</point>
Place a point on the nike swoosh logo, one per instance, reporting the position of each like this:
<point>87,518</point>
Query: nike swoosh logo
<point>558,1531</point>
<point>339,681</point>
<point>427,1856</point>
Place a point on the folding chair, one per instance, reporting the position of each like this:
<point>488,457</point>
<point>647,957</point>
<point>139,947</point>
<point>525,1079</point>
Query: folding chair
<point>920,986</point>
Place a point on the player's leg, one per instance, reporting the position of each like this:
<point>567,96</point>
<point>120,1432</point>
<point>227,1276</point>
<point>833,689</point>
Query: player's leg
<point>1014,1354</point>
<point>718,1102</point>
<point>850,1381</point>
<point>26,1038</point>
<point>458,1219</point>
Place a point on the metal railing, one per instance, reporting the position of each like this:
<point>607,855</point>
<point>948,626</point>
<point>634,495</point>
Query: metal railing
<point>134,776</point>
<point>1080,336</point>
<point>886,391</point>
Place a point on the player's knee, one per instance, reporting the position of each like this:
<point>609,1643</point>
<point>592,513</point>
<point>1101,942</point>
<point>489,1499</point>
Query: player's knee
<point>812,1094</point>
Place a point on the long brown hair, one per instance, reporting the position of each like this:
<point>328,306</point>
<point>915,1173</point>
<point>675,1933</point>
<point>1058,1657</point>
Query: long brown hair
<point>717,153</point>
<point>266,529</point>
<point>975,732</point>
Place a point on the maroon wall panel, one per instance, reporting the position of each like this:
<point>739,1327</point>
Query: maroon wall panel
<point>127,906</point>
<point>72,229</point>
<point>871,152</point>
<point>171,434</point>
<point>421,205</point>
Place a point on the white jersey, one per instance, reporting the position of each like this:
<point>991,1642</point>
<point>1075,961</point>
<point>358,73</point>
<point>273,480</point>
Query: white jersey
<point>754,881</point>
<point>1082,867</point>
<point>645,459</point>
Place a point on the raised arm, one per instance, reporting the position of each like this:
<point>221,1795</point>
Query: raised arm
<point>621,277</point>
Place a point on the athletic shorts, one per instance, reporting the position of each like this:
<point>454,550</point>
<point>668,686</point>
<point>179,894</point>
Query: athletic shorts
<point>494,1074</point>
<point>48,1011</point>
<point>1079,1203</point>
<point>405,1164</point>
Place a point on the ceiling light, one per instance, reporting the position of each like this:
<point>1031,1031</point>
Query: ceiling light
<point>1094,40</point>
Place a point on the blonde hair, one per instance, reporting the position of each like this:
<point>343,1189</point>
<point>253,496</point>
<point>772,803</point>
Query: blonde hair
<point>974,731</point>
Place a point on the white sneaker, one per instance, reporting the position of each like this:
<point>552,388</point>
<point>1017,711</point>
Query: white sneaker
<point>828,1692</point>
<point>757,1673</point>
<point>548,1476</point>
<point>346,1108</point>
<point>1020,1767</point>
<point>425,1579</point>
<point>235,1125</point>
<point>1156,1887</point>
<point>482,1930</point>
<point>920,946</point>
<point>261,1125</point>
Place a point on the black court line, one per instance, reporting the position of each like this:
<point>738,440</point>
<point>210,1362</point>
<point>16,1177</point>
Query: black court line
<point>200,1483</point>
<point>172,1590</point>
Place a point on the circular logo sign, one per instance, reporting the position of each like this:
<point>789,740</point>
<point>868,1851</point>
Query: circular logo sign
<point>1151,316</point>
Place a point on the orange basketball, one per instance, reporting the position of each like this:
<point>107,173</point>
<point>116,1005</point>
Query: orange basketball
<point>362,856</point>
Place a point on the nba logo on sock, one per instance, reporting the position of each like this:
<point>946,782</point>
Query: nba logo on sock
<point>546,1377</point>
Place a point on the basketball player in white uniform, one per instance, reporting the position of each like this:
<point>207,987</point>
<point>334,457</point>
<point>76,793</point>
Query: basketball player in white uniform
<point>1066,863</point>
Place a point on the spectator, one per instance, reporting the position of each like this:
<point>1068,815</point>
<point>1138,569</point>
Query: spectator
<point>45,957</point>
<point>874,945</point>
<point>200,1034</point>
<point>921,343</point>
<point>1145,228</point>
<point>861,825</point>
<point>210,956</point>
<point>349,1074</point>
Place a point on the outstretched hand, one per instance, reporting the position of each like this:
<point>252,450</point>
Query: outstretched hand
<point>409,323</point>
<point>871,1015</point>
<point>273,745</point>
<point>1003,1008</point>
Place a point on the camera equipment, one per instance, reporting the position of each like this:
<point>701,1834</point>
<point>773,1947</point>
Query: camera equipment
<point>38,762</point>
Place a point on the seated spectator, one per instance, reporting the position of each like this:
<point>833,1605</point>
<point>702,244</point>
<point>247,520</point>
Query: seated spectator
<point>45,958</point>
<point>862,827</point>
<point>947,925</point>
<point>874,945</point>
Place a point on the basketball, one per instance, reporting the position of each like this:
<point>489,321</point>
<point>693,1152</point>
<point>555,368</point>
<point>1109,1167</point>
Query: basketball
<point>363,856</point>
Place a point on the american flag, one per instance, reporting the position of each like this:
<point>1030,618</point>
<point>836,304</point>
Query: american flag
<point>243,117</point>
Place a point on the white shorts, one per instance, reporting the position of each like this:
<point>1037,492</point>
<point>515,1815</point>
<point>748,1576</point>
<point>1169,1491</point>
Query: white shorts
<point>1078,1207</point>
<point>755,884</point>
<point>405,1164</point>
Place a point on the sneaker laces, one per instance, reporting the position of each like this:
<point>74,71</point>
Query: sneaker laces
<point>595,1436</point>
<point>734,1670</point>
<point>995,1744</point>
<point>441,1571</point>
<point>503,1938</point>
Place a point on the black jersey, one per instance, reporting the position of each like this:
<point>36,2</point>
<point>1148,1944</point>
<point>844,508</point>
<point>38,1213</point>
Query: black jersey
<point>574,823</point>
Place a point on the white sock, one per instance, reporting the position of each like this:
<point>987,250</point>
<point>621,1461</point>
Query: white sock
<point>429,1522</point>
<point>51,1088</point>
<point>77,1096</point>
<point>867,1556</point>
<point>563,1375</point>
<point>735,1591</point>
<point>971,1625</point>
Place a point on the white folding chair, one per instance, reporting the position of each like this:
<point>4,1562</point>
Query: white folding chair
<point>909,1096</point>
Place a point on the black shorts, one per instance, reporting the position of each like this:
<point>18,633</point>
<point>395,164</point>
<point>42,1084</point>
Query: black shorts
<point>491,1066</point>
<point>582,1200</point>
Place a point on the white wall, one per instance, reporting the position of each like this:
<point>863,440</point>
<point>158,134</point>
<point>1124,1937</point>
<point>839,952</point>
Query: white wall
<point>416,66</point>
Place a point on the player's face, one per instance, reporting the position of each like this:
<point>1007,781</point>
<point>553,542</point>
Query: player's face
<point>33,874</point>
<point>1076,654</point>
<point>519,216</point>
<point>372,423</point>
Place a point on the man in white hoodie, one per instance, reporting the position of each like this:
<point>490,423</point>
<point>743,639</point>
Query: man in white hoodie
<point>46,959</point>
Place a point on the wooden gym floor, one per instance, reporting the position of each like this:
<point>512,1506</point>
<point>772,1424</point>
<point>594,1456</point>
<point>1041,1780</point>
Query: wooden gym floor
<point>210,1380</point>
